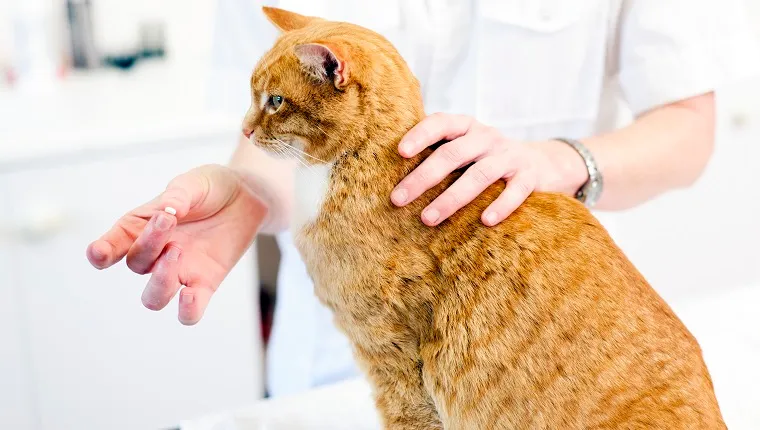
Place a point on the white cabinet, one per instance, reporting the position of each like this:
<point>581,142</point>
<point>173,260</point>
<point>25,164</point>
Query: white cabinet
<point>79,351</point>
<point>15,388</point>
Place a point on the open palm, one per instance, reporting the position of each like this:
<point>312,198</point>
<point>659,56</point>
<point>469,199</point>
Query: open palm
<point>217,217</point>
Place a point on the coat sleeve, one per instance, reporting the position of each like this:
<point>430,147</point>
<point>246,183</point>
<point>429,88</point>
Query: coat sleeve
<point>670,50</point>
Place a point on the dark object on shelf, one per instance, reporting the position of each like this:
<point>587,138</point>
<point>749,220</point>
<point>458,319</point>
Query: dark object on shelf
<point>152,45</point>
<point>152,39</point>
<point>83,52</point>
<point>124,62</point>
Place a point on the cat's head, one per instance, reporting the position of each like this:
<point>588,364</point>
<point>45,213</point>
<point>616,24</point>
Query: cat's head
<point>325,86</point>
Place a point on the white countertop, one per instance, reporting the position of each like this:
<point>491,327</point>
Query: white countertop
<point>107,108</point>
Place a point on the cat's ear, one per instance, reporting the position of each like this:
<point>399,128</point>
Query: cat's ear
<point>324,62</point>
<point>285,20</point>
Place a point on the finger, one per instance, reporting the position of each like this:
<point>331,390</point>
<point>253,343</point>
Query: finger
<point>148,247</point>
<point>164,282</point>
<point>433,129</point>
<point>518,189</point>
<point>99,254</point>
<point>194,298</point>
<point>473,182</point>
<point>113,246</point>
<point>193,302</point>
<point>438,165</point>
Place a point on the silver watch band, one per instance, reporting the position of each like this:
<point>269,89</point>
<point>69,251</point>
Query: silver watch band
<point>590,191</point>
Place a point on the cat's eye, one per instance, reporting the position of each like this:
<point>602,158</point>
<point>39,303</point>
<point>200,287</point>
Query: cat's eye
<point>275,102</point>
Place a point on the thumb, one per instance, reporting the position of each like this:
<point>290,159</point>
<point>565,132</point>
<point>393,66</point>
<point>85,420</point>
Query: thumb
<point>183,194</point>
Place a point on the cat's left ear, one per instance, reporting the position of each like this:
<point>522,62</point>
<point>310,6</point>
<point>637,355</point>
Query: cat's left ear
<point>324,61</point>
<point>286,20</point>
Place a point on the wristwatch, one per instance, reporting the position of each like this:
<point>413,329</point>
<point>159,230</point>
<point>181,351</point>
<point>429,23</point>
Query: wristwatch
<point>590,191</point>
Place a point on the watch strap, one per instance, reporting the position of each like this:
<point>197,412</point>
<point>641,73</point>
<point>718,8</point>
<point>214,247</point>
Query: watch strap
<point>590,191</point>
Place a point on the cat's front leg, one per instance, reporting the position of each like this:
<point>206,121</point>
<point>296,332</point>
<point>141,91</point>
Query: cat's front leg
<point>395,373</point>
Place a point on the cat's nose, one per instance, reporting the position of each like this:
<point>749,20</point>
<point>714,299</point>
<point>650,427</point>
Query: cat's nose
<point>247,131</point>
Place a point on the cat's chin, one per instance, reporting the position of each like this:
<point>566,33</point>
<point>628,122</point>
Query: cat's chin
<point>273,149</point>
<point>283,149</point>
<point>277,154</point>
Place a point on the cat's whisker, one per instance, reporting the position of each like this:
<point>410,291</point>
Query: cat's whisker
<point>301,151</point>
<point>290,149</point>
<point>298,157</point>
<point>280,152</point>
<point>292,152</point>
<point>278,148</point>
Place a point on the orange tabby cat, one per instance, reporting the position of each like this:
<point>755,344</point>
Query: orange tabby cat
<point>539,322</point>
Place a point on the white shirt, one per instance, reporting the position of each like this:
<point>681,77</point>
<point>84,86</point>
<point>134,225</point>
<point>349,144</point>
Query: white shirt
<point>535,69</point>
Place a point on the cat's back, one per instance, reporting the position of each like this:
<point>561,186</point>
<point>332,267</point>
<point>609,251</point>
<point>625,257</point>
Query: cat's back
<point>543,322</point>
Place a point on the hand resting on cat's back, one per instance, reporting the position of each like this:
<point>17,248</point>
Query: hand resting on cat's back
<point>539,322</point>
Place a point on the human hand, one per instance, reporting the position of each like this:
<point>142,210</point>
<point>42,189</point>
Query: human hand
<point>216,221</point>
<point>526,166</point>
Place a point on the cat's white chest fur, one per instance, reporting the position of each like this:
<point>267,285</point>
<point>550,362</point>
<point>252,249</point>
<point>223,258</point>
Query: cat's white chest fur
<point>311,187</point>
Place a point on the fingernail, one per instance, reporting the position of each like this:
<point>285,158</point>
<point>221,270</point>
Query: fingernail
<point>163,222</point>
<point>149,299</point>
<point>491,218</point>
<point>173,253</point>
<point>186,298</point>
<point>97,254</point>
<point>406,147</point>
<point>399,196</point>
<point>432,215</point>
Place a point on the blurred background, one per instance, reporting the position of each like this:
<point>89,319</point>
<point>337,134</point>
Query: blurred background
<point>102,102</point>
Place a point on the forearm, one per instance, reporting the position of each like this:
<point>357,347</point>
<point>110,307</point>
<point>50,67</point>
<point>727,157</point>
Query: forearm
<point>270,179</point>
<point>665,149</point>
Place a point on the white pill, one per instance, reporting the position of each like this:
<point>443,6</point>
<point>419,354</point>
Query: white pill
<point>170,210</point>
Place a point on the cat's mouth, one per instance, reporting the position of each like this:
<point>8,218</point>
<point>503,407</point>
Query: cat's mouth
<point>284,147</point>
